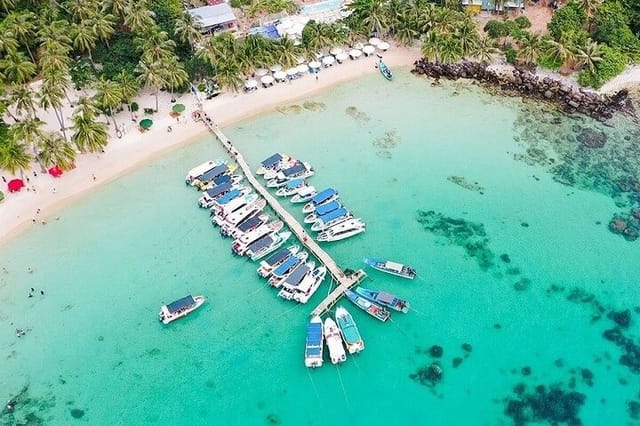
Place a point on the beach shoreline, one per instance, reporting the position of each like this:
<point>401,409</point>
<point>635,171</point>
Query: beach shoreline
<point>47,195</point>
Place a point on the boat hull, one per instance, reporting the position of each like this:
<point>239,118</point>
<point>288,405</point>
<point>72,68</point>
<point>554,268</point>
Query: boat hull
<point>165,316</point>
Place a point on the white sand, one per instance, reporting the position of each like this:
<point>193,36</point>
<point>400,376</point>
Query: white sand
<point>18,210</point>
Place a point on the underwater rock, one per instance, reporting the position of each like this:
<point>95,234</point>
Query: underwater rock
<point>633,407</point>
<point>462,182</point>
<point>467,347</point>
<point>314,106</point>
<point>359,116</point>
<point>587,376</point>
<point>77,413</point>
<point>273,420</point>
<point>622,318</point>
<point>456,362</point>
<point>388,141</point>
<point>428,376</point>
<point>289,109</point>
<point>552,405</point>
<point>526,371</point>
<point>592,138</point>
<point>436,351</point>
<point>522,284</point>
<point>505,258</point>
<point>631,351</point>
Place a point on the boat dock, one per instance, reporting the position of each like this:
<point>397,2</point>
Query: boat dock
<point>344,281</point>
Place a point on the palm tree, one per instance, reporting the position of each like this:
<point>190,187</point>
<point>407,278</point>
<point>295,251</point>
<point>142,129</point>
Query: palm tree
<point>86,107</point>
<point>108,96</point>
<point>530,49</point>
<point>129,88</point>
<point>590,6</point>
<point>56,151</point>
<point>103,26</point>
<point>118,7</point>
<point>7,5</point>
<point>229,76</point>
<point>81,10</point>
<point>155,45</point>
<point>30,133</point>
<point>431,46</point>
<point>17,68</point>
<point>8,42</point>
<point>55,31</point>
<point>188,29</point>
<point>589,55</point>
<point>151,76</point>
<point>84,39</point>
<point>559,51</point>
<point>285,52</point>
<point>24,99</point>
<point>175,77</point>
<point>14,156</point>
<point>372,14</point>
<point>139,17</point>
<point>21,24</point>
<point>51,95</point>
<point>427,17</point>
<point>467,35</point>
<point>450,49</point>
<point>406,33</point>
<point>89,135</point>
<point>484,50</point>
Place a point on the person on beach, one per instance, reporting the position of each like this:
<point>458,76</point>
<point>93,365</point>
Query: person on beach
<point>93,177</point>
<point>4,179</point>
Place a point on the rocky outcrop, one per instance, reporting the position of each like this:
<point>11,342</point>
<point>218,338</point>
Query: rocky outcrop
<point>523,83</point>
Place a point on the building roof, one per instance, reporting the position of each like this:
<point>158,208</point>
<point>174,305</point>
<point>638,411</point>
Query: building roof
<point>213,15</point>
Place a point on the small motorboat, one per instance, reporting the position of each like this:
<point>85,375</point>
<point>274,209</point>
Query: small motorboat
<point>392,268</point>
<point>180,308</point>
<point>385,71</point>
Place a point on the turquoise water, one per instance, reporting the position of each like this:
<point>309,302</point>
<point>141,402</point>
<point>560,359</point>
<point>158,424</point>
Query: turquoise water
<point>322,6</point>
<point>512,262</point>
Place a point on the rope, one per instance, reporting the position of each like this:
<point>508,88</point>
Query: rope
<point>344,391</point>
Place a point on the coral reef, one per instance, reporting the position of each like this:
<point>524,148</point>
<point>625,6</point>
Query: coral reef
<point>462,182</point>
<point>549,404</point>
<point>358,115</point>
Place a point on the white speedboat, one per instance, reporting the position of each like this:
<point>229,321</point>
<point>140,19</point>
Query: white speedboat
<point>297,275</point>
<point>210,196</point>
<point>202,169</point>
<point>324,196</point>
<point>180,308</point>
<point>275,260</point>
<point>218,213</point>
<point>291,187</point>
<point>230,196</point>
<point>247,225</point>
<point>297,171</point>
<point>311,283</point>
<point>334,342</point>
<point>304,194</point>
<point>349,330</point>
<point>273,162</point>
<point>234,179</point>
<point>314,345</point>
<point>232,220</point>
<point>282,165</point>
<point>267,245</point>
<point>331,219</point>
<point>346,229</point>
<point>322,210</point>
<point>286,267</point>
<point>241,245</point>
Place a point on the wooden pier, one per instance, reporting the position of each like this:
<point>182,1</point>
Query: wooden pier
<point>344,281</point>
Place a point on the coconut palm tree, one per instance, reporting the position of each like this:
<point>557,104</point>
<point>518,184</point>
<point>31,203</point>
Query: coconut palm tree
<point>29,131</point>
<point>138,17</point>
<point>151,76</point>
<point>450,49</point>
<point>174,76</point>
<point>405,31</point>
<point>589,55</point>
<point>372,14</point>
<point>129,87</point>
<point>108,96</point>
<point>117,7</point>
<point>484,50</point>
<point>228,75</point>
<point>55,31</point>
<point>530,49</point>
<point>8,41</point>
<point>559,51</point>
<point>24,99</point>
<point>7,5</point>
<point>467,35</point>
<point>84,39</point>
<point>22,26</point>
<point>103,26</point>
<point>285,52</point>
<point>81,10</point>
<point>14,156</point>
<point>51,96</point>
<point>17,68</point>
<point>56,151</point>
<point>89,135</point>
<point>431,46</point>
<point>188,29</point>
<point>87,107</point>
<point>427,17</point>
<point>155,45</point>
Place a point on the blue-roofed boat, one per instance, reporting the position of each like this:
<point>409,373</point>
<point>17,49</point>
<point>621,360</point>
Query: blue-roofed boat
<point>202,169</point>
<point>282,165</point>
<point>267,245</point>
<point>285,269</point>
<point>314,345</point>
<point>391,268</point>
<point>304,194</point>
<point>331,219</point>
<point>271,163</point>
<point>298,170</point>
<point>204,180</point>
<point>276,259</point>
<point>247,225</point>
<point>232,220</point>
<point>220,212</point>
<point>349,330</point>
<point>322,209</point>
<point>235,179</point>
<point>310,284</point>
<point>324,196</point>
<point>232,195</point>
<point>385,70</point>
<point>291,187</point>
<point>210,195</point>
<point>342,230</point>
<point>180,308</point>
<point>368,306</point>
<point>241,244</point>
<point>292,281</point>
<point>385,299</point>
<point>334,341</point>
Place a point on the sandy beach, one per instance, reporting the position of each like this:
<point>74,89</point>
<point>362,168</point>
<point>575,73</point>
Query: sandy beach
<point>44,195</point>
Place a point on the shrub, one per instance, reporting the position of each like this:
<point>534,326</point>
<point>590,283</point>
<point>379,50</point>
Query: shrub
<point>510,54</point>
<point>522,22</point>
<point>612,27</point>
<point>569,19</point>
<point>613,63</point>
<point>549,62</point>
<point>496,29</point>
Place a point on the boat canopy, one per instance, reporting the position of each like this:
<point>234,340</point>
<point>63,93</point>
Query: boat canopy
<point>387,298</point>
<point>295,183</point>
<point>287,265</point>
<point>323,196</point>
<point>297,275</point>
<point>333,215</point>
<point>278,257</point>
<point>231,195</point>
<point>213,173</point>
<point>179,304</point>
<point>219,190</point>
<point>271,161</point>
<point>260,243</point>
<point>294,170</point>
<point>314,350</point>
<point>314,338</point>
<point>326,208</point>
<point>249,223</point>
<point>393,266</point>
<point>222,179</point>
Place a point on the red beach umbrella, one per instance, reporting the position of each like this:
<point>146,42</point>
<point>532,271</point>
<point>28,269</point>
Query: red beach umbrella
<point>55,171</point>
<point>15,185</point>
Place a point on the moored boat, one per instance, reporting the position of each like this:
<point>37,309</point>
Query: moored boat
<point>202,169</point>
<point>385,70</point>
<point>224,169</point>
<point>286,267</point>
<point>391,268</point>
<point>210,195</point>
<point>291,187</point>
<point>291,282</point>
<point>368,306</point>
<point>241,244</point>
<point>314,345</point>
<point>267,245</point>
<point>385,299</point>
<point>220,212</point>
<point>321,210</point>
<point>342,230</point>
<point>283,165</point>
<point>276,259</point>
<point>247,225</point>
<point>304,194</point>
<point>271,162</point>
<point>310,284</point>
<point>349,329</point>
<point>230,196</point>
<point>331,219</point>
<point>324,196</point>
<point>180,308</point>
<point>298,170</point>
<point>232,220</point>
<point>334,342</point>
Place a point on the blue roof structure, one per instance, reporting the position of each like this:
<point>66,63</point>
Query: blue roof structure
<point>221,179</point>
<point>295,183</point>
<point>278,256</point>
<point>286,266</point>
<point>179,304</point>
<point>314,338</point>
<point>297,275</point>
<point>213,173</point>
<point>294,170</point>
<point>231,195</point>
<point>271,161</point>
<point>249,223</point>
<point>323,196</point>
<point>258,244</point>
<point>220,189</point>
<point>333,215</point>
<point>326,208</point>
<point>266,31</point>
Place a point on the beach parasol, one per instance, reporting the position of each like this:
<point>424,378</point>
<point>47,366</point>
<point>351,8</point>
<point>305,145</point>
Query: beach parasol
<point>300,60</point>
<point>251,84</point>
<point>280,75</point>
<point>292,72</point>
<point>266,80</point>
<point>315,65</point>
<point>368,49</point>
<point>262,71</point>
<point>146,123</point>
<point>336,51</point>
<point>179,108</point>
<point>327,61</point>
<point>374,41</point>
<point>355,53</point>
<point>383,45</point>
<point>15,185</point>
<point>302,69</point>
<point>276,68</point>
<point>341,57</point>
<point>55,171</point>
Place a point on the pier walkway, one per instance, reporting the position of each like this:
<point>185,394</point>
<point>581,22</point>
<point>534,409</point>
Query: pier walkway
<point>344,281</point>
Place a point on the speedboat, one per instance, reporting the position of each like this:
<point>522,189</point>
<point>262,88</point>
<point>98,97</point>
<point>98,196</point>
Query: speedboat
<point>310,284</point>
<point>202,169</point>
<point>210,195</point>
<point>234,179</point>
<point>241,244</point>
<point>180,308</point>
<point>230,196</point>
<point>232,220</point>
<point>342,230</point>
<point>286,267</point>
<point>321,197</point>
<point>334,341</point>
<point>205,179</point>
<point>385,299</point>
<point>385,71</point>
<point>247,225</point>
<point>392,268</point>
<point>331,219</point>
<point>275,260</point>
<point>369,307</point>
<point>349,330</point>
<point>322,209</point>
<point>291,187</point>
<point>282,165</point>
<point>291,282</point>
<point>298,170</point>
<point>271,163</point>
<point>267,245</point>
<point>219,212</point>
<point>304,194</point>
<point>315,343</point>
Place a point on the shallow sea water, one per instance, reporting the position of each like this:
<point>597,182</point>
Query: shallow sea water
<point>94,351</point>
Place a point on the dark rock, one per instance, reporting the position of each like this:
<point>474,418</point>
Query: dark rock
<point>522,284</point>
<point>592,138</point>
<point>77,413</point>
<point>467,347</point>
<point>456,362</point>
<point>505,258</point>
<point>633,407</point>
<point>428,376</point>
<point>436,351</point>
<point>622,318</point>
<point>526,371</point>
